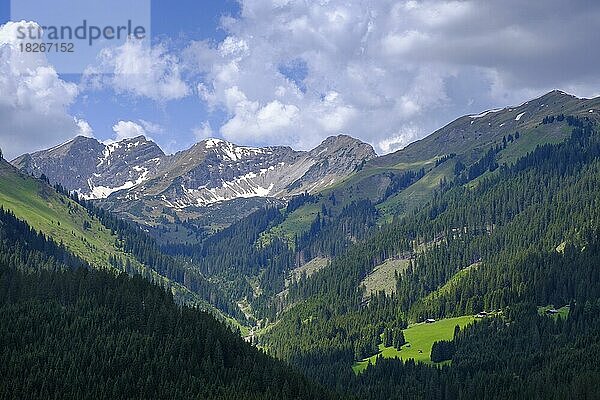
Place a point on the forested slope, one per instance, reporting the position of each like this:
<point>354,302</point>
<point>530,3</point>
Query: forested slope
<point>70,331</point>
<point>103,240</point>
<point>525,230</point>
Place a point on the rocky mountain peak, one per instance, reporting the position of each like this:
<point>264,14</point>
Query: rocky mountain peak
<point>136,170</point>
<point>72,147</point>
<point>231,151</point>
<point>344,144</point>
<point>92,168</point>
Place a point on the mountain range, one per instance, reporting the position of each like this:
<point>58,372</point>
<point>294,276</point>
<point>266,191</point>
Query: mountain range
<point>136,177</point>
<point>465,264</point>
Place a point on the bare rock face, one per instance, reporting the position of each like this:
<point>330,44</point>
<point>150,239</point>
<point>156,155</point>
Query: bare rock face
<point>136,171</point>
<point>93,169</point>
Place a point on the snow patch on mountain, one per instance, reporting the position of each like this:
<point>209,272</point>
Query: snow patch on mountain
<point>483,114</point>
<point>102,192</point>
<point>231,151</point>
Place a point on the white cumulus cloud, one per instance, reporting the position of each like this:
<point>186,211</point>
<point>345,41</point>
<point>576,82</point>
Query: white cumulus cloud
<point>127,130</point>
<point>140,70</point>
<point>84,128</point>
<point>298,72</point>
<point>293,72</point>
<point>34,100</point>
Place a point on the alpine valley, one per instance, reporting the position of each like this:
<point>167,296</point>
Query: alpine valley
<point>465,265</point>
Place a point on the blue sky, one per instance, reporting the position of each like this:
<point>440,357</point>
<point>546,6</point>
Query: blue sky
<point>189,21</point>
<point>291,72</point>
<point>178,22</point>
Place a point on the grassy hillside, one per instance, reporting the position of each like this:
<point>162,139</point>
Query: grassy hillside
<point>448,287</point>
<point>67,222</point>
<point>530,139</point>
<point>416,194</point>
<point>419,341</point>
<point>314,265</point>
<point>295,223</point>
<point>57,216</point>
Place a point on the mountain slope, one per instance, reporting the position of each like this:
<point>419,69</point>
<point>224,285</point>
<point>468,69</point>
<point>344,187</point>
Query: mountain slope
<point>56,216</point>
<point>464,142</point>
<point>117,246</point>
<point>531,228</point>
<point>69,331</point>
<point>473,134</point>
